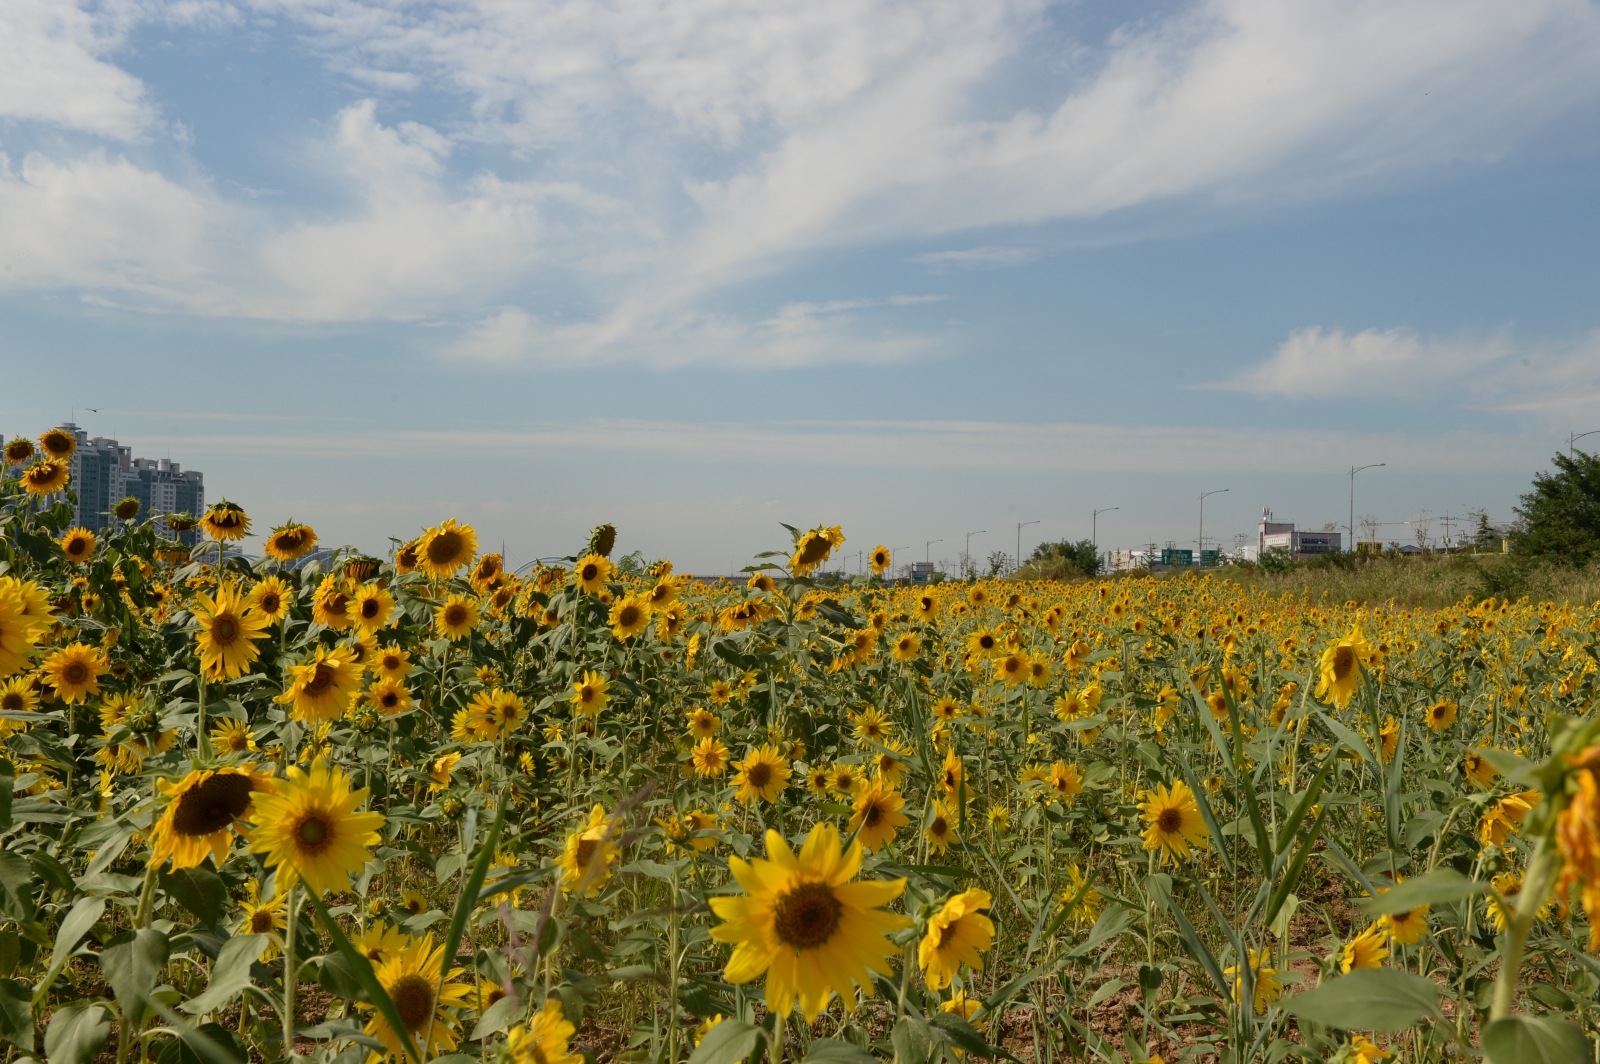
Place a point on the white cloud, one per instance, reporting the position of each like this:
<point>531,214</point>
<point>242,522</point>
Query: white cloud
<point>988,257</point>
<point>53,69</point>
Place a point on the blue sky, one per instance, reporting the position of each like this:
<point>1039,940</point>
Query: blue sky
<point>698,268</point>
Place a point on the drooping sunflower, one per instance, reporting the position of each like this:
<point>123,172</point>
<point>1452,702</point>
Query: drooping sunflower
<point>1578,838</point>
<point>126,509</point>
<point>228,633</point>
<point>45,476</point>
<point>1341,669</point>
<point>75,671</point>
<point>456,617</point>
<point>589,695</point>
<point>440,769</point>
<point>77,544</point>
<point>1174,819</point>
<point>371,607</point>
<point>489,569</point>
<point>957,934</point>
<point>390,696</point>
<point>204,808</point>
<point>19,450</point>
<point>813,548</point>
<point>877,816</point>
<point>330,604</point>
<point>1476,767</point>
<point>271,598</point>
<point>804,925</point>
<point>591,573</point>
<point>1501,905</point>
<point>447,548</point>
<point>411,977</point>
<point>225,521</point>
<point>589,854</point>
<point>309,828</point>
<point>323,687</point>
<point>290,541</point>
<point>58,443</point>
<point>233,737</point>
<point>407,557</point>
<point>879,559</point>
<point>629,616</point>
<point>1506,816</point>
<point>1366,950</point>
<point>1082,902</point>
<point>544,1039</point>
<point>762,775</point>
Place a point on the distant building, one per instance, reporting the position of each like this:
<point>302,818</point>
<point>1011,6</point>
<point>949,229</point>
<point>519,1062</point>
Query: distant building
<point>1300,545</point>
<point>921,572</point>
<point>104,473</point>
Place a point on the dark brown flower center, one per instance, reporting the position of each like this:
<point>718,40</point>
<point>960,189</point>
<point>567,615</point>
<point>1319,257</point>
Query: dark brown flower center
<point>1344,660</point>
<point>585,852</point>
<point>759,774</point>
<point>445,548</point>
<point>413,1000</point>
<point>321,680</point>
<point>225,628</point>
<point>628,617</point>
<point>806,915</point>
<point>589,573</point>
<point>270,602</point>
<point>213,805</point>
<point>874,814</point>
<point>312,834</point>
<point>370,608</point>
<point>940,827</point>
<point>455,616</point>
<point>11,701</point>
<point>1170,820</point>
<point>75,673</point>
<point>261,922</point>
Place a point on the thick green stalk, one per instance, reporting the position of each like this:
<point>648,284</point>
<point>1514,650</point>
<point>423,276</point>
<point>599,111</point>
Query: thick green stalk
<point>1535,889</point>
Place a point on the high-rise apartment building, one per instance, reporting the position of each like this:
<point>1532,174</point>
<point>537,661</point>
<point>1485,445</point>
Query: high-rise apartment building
<point>104,472</point>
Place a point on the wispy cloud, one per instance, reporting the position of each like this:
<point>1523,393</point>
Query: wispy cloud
<point>988,257</point>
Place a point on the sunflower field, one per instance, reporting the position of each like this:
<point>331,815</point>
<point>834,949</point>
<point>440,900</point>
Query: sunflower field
<point>357,809</point>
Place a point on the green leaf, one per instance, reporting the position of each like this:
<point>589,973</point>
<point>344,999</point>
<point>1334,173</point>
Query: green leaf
<point>230,974</point>
<point>133,963</point>
<point>480,869</point>
<point>179,1051</point>
<point>727,1043</point>
<point>1113,922</point>
<point>336,977</point>
<point>1159,887</point>
<point>1206,814</point>
<point>77,923</point>
<point>1368,999</point>
<point>16,885</point>
<point>1349,738</point>
<point>1526,1040</point>
<point>913,1041</point>
<point>1515,768</point>
<point>362,968</point>
<point>1435,888</point>
<point>76,1033</point>
<point>830,1051</point>
<point>200,1041</point>
<point>199,890</point>
<point>498,1017</point>
<point>16,1014</point>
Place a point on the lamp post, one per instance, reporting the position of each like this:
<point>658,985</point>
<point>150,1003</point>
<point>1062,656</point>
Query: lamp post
<point>1200,544</point>
<point>927,550</point>
<point>1094,525</point>
<point>1020,526</point>
<point>1575,437</point>
<point>1353,471</point>
<point>892,552</point>
<point>968,551</point>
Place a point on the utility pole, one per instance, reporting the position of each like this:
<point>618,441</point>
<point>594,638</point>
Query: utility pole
<point>1353,471</point>
<point>1094,526</point>
<point>968,551</point>
<point>927,550</point>
<point>1020,526</point>
<point>1200,543</point>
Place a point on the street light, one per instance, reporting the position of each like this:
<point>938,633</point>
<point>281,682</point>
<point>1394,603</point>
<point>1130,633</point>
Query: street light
<point>968,551</point>
<point>892,551</point>
<point>927,550</point>
<point>1352,526</point>
<point>1200,546</point>
<point>1575,437</point>
<point>1094,525</point>
<point>1020,526</point>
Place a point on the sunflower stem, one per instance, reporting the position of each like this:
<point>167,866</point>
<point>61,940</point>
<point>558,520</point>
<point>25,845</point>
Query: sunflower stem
<point>291,971</point>
<point>147,897</point>
<point>1535,888</point>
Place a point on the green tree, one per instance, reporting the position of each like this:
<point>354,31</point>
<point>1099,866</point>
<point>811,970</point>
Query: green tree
<point>1561,515</point>
<point>1082,556</point>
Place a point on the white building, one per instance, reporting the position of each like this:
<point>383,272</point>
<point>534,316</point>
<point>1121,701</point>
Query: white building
<point>104,472</point>
<point>1300,545</point>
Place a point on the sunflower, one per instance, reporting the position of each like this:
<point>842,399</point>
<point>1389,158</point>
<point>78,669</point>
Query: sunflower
<point>879,559</point>
<point>1366,950</point>
<point>330,604</point>
<point>589,695</point>
<point>268,918</point>
<point>456,617</point>
<point>629,617</point>
<point>1080,899</point>
<point>290,541</point>
<point>1364,1052</point>
<point>845,779</point>
<point>957,934</point>
<point>544,1039</point>
<point>1011,669</point>
<point>1506,816</point>
<point>45,477</point>
<point>907,647</point>
<point>271,598</point>
<point>665,592</point>
<point>1268,988</point>
<point>1501,905</point>
<point>441,767</point>
<point>591,572</point>
<point>1476,767</point>
<point>489,568</point>
<point>952,776</point>
<point>1174,819</point>
<point>322,687</point>
<point>77,544</point>
<point>889,763</point>
<point>308,827</point>
<point>819,780</point>
<point>877,816</point>
<point>762,775</point>
<point>18,451</point>
<point>371,607</point>
<point>421,988</point>
<point>447,548</point>
<point>413,902</point>
<point>381,944</point>
<point>589,854</point>
<point>761,582</point>
<point>698,820</point>
<point>1066,782</point>
<point>941,828</point>
<point>225,521</point>
<point>1441,715</point>
<point>117,757</point>
<point>228,633</point>
<point>391,663</point>
<point>813,548</point>
<point>201,816</point>
<point>17,696</point>
<point>703,723</point>
<point>983,643</point>
<point>1405,928</point>
<point>407,557</point>
<point>75,671</point>
<point>805,925</point>
<point>233,737</point>
<point>1341,672</point>
<point>709,757</point>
